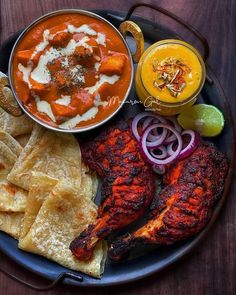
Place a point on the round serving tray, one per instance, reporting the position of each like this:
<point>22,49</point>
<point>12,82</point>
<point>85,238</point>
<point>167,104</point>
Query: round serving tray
<point>155,259</point>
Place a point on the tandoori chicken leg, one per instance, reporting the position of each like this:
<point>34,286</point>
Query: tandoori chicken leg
<point>128,185</point>
<point>185,204</point>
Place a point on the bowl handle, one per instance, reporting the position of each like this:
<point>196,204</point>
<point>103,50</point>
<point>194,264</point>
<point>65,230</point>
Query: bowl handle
<point>59,279</point>
<point>7,99</point>
<point>179,20</point>
<point>134,29</point>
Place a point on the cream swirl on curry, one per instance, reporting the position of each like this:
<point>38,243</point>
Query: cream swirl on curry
<point>67,68</point>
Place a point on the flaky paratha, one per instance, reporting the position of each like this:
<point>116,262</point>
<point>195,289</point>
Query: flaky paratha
<point>15,125</point>
<point>63,215</point>
<point>23,139</point>
<point>40,187</point>
<point>7,159</point>
<point>10,141</point>
<point>54,154</point>
<point>10,223</point>
<point>12,198</point>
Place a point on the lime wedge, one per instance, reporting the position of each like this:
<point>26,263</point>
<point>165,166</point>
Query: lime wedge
<point>206,119</point>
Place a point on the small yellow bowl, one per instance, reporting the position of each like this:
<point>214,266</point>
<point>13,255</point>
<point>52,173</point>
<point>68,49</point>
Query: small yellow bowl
<point>163,101</point>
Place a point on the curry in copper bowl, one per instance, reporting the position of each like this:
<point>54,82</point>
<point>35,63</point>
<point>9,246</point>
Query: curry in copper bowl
<point>71,70</point>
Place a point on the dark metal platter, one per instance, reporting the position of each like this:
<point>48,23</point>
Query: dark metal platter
<point>156,259</point>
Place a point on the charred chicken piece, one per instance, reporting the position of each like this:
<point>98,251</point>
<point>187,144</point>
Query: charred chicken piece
<point>185,204</point>
<point>128,185</point>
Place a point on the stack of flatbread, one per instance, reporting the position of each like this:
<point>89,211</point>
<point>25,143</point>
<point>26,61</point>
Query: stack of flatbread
<point>46,192</point>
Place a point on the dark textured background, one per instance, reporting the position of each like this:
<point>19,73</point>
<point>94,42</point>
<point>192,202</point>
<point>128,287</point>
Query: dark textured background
<point>211,268</point>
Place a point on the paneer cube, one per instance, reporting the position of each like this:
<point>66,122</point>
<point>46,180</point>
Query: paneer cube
<point>112,64</point>
<point>82,52</point>
<point>39,88</point>
<point>82,100</point>
<point>60,39</point>
<point>62,110</point>
<point>24,56</point>
<point>58,28</point>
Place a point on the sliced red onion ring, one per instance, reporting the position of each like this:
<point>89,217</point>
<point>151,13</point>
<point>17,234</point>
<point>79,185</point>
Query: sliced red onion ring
<point>170,139</point>
<point>158,139</point>
<point>154,134</point>
<point>161,140</point>
<point>177,127</point>
<point>189,149</point>
<point>193,144</point>
<point>146,152</point>
<point>140,116</point>
<point>163,154</point>
<point>153,137</point>
<point>147,122</point>
<point>169,149</point>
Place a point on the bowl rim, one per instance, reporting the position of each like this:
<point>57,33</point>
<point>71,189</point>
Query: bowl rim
<point>27,29</point>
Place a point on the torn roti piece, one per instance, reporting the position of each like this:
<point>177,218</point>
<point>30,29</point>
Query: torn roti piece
<point>7,160</point>
<point>10,223</point>
<point>12,198</point>
<point>40,187</point>
<point>15,125</point>
<point>11,142</point>
<point>54,154</point>
<point>63,215</point>
<point>23,139</point>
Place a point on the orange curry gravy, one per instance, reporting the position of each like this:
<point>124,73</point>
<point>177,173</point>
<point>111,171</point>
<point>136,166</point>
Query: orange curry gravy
<point>71,70</point>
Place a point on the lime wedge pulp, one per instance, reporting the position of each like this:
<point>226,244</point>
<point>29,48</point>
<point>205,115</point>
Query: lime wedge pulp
<point>206,119</point>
